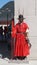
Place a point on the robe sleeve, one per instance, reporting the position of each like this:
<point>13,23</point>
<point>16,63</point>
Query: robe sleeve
<point>14,30</point>
<point>27,28</point>
<point>27,31</point>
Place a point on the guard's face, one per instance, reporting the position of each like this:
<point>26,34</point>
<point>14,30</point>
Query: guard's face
<point>21,20</point>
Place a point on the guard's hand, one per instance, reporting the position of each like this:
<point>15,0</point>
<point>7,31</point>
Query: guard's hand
<point>30,45</point>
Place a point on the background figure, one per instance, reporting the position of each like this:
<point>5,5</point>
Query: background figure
<point>5,32</point>
<point>1,33</point>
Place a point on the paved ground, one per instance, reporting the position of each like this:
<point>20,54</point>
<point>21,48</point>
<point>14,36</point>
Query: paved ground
<point>20,62</point>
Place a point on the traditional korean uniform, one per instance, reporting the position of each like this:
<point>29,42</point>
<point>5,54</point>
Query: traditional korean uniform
<point>21,45</point>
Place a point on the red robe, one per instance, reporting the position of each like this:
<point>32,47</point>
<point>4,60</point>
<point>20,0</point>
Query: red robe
<point>21,45</point>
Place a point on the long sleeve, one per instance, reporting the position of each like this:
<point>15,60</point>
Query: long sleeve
<point>14,30</point>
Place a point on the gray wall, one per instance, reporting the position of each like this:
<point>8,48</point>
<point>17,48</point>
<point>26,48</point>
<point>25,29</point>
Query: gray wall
<point>29,9</point>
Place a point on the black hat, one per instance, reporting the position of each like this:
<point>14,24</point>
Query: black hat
<point>21,16</point>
